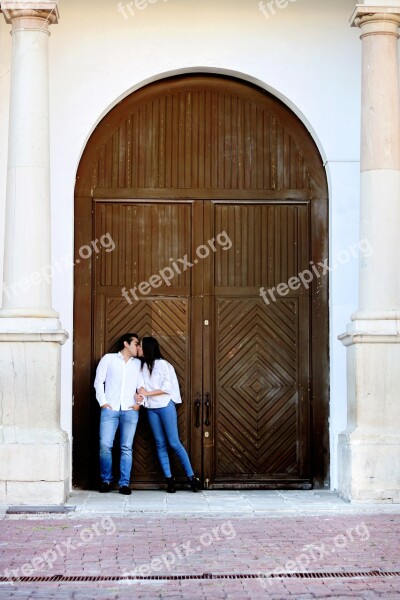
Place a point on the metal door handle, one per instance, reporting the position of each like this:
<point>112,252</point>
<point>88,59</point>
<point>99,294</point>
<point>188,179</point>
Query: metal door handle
<point>197,404</point>
<point>207,405</point>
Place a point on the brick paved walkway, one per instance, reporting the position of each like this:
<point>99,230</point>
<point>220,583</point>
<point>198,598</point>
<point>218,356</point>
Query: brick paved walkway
<point>168,545</point>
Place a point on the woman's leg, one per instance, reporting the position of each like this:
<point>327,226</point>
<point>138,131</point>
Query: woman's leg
<point>161,440</point>
<point>169,421</point>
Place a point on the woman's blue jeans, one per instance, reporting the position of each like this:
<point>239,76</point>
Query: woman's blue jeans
<point>109,421</point>
<point>164,425</point>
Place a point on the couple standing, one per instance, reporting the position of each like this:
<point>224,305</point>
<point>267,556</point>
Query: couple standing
<point>137,375</point>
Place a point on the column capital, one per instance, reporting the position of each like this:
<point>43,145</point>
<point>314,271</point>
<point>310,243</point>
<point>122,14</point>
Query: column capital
<point>383,13</point>
<point>24,14</point>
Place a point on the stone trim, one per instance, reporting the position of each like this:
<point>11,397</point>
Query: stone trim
<point>373,10</point>
<point>371,332</point>
<point>349,339</point>
<point>32,16</point>
<point>59,336</point>
<point>39,9</point>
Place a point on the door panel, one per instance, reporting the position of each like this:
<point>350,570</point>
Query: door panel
<point>258,390</point>
<point>270,244</point>
<point>168,320</point>
<point>260,380</point>
<point>146,237</point>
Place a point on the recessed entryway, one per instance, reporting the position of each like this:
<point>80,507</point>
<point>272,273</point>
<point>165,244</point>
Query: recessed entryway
<point>219,182</point>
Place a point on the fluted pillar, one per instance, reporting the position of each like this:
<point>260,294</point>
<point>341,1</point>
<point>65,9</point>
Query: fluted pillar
<point>34,459</point>
<point>369,450</point>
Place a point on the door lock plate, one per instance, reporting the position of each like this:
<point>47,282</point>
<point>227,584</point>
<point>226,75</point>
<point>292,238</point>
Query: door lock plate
<point>206,434</point>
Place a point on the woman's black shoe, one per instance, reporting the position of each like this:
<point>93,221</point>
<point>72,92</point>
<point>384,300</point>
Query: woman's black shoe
<point>195,483</point>
<point>170,485</point>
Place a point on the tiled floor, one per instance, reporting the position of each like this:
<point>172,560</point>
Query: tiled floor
<point>219,544</point>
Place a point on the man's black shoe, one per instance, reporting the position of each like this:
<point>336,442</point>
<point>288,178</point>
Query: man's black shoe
<point>125,490</point>
<point>105,487</point>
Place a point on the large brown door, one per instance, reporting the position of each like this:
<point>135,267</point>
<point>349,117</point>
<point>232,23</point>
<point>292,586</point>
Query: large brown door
<point>210,190</point>
<point>243,365</point>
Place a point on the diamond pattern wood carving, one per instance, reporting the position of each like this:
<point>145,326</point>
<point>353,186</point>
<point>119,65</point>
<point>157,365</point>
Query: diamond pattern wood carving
<point>167,320</point>
<point>258,402</point>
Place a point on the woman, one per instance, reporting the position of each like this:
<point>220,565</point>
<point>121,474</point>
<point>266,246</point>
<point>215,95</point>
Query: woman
<point>159,392</point>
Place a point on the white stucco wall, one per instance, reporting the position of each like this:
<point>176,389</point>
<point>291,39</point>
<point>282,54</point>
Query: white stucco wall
<point>306,54</point>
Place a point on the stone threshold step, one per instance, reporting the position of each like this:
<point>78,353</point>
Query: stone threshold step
<point>33,510</point>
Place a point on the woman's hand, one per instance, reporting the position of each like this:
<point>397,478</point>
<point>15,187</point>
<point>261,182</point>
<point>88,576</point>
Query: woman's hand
<point>142,392</point>
<point>139,398</point>
<point>138,402</point>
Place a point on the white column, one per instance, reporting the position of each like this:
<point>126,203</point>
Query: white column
<point>34,453</point>
<point>27,258</point>
<point>369,450</point>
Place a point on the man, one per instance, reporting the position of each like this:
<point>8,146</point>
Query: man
<point>115,384</point>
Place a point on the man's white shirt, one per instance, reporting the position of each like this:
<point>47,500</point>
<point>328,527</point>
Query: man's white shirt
<point>116,381</point>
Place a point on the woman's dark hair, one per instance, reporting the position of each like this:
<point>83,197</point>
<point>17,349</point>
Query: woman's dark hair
<point>127,337</point>
<point>151,351</point>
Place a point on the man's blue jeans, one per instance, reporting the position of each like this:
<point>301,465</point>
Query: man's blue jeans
<point>164,425</point>
<point>109,421</point>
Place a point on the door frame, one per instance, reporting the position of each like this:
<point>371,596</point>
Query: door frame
<point>317,197</point>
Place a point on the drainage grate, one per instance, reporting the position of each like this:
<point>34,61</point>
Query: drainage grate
<point>204,576</point>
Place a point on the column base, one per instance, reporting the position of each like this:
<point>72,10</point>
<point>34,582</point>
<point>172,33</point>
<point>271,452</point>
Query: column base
<point>28,313</point>
<point>34,451</point>
<point>369,450</point>
<point>34,473</point>
<point>369,468</point>
<point>24,329</point>
<point>28,493</point>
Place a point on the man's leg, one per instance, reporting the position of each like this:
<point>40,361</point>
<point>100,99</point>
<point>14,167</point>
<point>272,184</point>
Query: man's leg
<point>128,420</point>
<point>108,426</point>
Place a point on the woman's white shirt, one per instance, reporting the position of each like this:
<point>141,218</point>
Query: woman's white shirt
<point>163,378</point>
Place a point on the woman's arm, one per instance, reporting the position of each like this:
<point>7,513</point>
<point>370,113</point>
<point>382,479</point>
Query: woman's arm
<point>143,392</point>
<point>162,378</point>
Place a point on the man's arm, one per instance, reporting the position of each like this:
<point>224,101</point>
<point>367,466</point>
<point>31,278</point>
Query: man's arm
<point>101,374</point>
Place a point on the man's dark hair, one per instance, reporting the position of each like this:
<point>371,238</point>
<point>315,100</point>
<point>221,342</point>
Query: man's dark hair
<point>127,337</point>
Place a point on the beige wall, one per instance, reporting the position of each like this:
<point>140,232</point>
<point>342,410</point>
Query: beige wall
<point>306,53</point>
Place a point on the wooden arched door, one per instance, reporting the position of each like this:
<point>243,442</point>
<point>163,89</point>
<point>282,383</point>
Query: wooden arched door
<point>200,192</point>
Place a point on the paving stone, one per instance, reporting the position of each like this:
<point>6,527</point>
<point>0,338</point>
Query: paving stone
<point>176,543</point>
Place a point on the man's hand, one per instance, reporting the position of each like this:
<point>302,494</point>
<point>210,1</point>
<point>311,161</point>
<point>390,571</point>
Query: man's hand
<point>106,406</point>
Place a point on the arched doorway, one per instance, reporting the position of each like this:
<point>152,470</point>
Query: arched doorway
<point>210,189</point>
